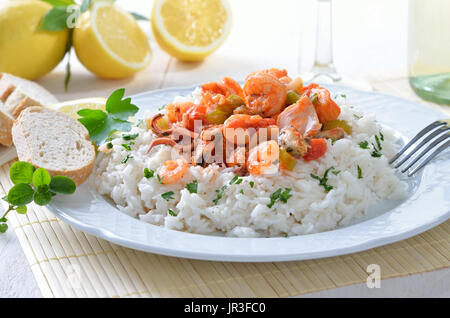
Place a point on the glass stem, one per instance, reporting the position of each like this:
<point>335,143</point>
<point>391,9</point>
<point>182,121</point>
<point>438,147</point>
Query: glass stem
<point>323,64</point>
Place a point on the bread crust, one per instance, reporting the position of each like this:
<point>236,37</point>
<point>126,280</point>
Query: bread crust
<point>6,123</point>
<point>24,150</point>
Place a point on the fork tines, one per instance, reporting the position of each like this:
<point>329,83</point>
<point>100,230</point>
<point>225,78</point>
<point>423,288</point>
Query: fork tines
<point>435,136</point>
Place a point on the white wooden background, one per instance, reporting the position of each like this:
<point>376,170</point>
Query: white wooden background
<point>370,39</point>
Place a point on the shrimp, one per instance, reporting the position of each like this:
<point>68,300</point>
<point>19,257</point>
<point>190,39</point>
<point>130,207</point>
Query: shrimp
<point>172,170</point>
<point>274,72</point>
<point>237,128</point>
<point>226,87</point>
<point>175,111</point>
<point>326,109</point>
<point>261,158</point>
<point>193,116</point>
<point>264,94</point>
<point>301,116</point>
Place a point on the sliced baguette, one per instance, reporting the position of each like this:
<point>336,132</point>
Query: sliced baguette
<point>6,123</point>
<point>16,94</point>
<point>54,141</point>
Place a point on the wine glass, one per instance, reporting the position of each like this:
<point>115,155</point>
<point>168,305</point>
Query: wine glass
<point>323,70</point>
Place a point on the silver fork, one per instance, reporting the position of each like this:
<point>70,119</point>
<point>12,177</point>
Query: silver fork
<point>439,131</point>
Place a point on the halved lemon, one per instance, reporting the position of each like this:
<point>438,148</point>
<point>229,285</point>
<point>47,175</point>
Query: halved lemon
<point>109,42</point>
<point>191,30</point>
<point>73,106</point>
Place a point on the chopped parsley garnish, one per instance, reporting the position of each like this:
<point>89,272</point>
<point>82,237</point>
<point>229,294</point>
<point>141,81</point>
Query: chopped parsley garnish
<point>241,192</point>
<point>168,195</point>
<point>336,172</point>
<point>126,146</point>
<point>359,172</point>
<point>323,181</point>
<point>333,141</point>
<point>148,173</point>
<point>357,116</point>
<point>235,180</point>
<point>162,107</point>
<point>159,178</point>
<point>381,136</point>
<point>378,142</point>
<point>280,195</point>
<point>252,184</point>
<point>343,95</point>
<point>192,187</point>
<point>109,145</point>
<point>130,136</point>
<point>125,160</point>
<point>364,144</point>
<point>219,194</point>
<point>172,213</point>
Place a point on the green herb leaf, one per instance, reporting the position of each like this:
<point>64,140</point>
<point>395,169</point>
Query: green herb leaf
<point>343,95</point>
<point>252,184</point>
<point>3,227</point>
<point>172,213</point>
<point>148,173</point>
<point>5,198</point>
<point>168,195</point>
<point>242,191</point>
<point>285,195</point>
<point>42,197</point>
<point>219,194</point>
<point>3,219</point>
<point>21,209</point>
<point>41,178</point>
<point>62,185</point>
<point>120,108</point>
<point>336,172</point>
<point>192,187</point>
<point>109,145</point>
<point>21,172</point>
<point>129,136</point>
<point>359,172</point>
<point>101,125</point>
<point>235,178</point>
<point>20,194</point>
<point>274,198</point>
<point>364,144</point>
<point>381,136</point>
<point>125,160</point>
<point>138,16</point>
<point>378,142</point>
<point>60,3</point>
<point>159,178</point>
<point>55,19</point>
<point>324,180</point>
<point>126,146</point>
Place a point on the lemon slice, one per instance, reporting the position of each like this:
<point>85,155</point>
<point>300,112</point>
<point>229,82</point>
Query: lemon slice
<point>73,106</point>
<point>191,30</point>
<point>109,42</point>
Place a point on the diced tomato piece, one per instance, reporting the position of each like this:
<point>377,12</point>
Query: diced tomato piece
<point>318,149</point>
<point>326,109</point>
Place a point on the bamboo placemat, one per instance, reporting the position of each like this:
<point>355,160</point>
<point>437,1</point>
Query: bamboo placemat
<point>69,263</point>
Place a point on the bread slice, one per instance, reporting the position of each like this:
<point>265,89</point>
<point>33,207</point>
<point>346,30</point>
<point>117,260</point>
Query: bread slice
<point>6,123</point>
<point>16,94</point>
<point>54,141</point>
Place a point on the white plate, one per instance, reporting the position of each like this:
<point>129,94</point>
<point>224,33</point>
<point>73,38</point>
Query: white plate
<point>428,203</point>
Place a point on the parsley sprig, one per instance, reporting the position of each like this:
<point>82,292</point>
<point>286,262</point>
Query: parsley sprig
<point>102,125</point>
<point>323,181</point>
<point>376,148</point>
<point>279,195</point>
<point>168,195</point>
<point>192,187</point>
<point>30,185</point>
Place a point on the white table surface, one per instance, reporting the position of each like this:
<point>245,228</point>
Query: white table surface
<point>265,33</point>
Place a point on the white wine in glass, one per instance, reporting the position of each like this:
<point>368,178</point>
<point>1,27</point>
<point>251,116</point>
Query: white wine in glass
<point>429,49</point>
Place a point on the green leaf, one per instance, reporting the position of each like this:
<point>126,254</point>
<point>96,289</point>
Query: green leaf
<point>252,184</point>
<point>137,16</point>
<point>168,195</point>
<point>20,194</point>
<point>21,209</point>
<point>55,19</point>
<point>62,185</point>
<point>42,197</point>
<point>129,136</point>
<point>41,177</point>
<point>219,194</point>
<point>192,187</point>
<point>3,227</point>
<point>21,172</point>
<point>359,172</point>
<point>60,3</point>
<point>172,213</point>
<point>148,173</point>
<point>3,219</point>
<point>5,198</point>
<point>120,108</point>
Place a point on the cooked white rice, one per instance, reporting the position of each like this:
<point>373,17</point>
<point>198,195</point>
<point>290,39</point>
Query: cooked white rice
<point>309,210</point>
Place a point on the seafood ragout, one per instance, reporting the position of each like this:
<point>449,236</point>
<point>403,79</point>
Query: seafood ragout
<point>271,122</point>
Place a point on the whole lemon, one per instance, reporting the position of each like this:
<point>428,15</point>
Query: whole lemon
<point>25,50</point>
